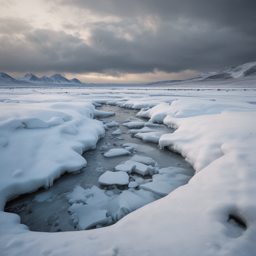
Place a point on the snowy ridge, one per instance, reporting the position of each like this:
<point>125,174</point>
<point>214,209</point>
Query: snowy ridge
<point>245,70</point>
<point>242,72</point>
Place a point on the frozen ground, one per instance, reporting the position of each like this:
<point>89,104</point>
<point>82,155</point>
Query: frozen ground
<point>43,133</point>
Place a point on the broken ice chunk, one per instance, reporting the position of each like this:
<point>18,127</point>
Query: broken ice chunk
<point>132,125</point>
<point>151,137</point>
<point>98,113</point>
<point>130,119</point>
<point>77,195</point>
<point>133,184</point>
<point>130,145</point>
<point>125,203</point>
<point>88,216</point>
<point>129,148</point>
<point>149,124</point>
<point>117,132</point>
<point>158,187</point>
<point>143,130</point>
<point>144,160</point>
<point>126,167</point>
<point>167,180</point>
<point>114,178</point>
<point>112,124</point>
<point>117,152</point>
<point>141,169</point>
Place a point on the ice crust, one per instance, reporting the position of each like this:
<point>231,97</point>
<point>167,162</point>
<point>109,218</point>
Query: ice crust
<point>215,132</point>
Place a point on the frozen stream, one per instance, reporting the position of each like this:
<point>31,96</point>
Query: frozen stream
<point>48,210</point>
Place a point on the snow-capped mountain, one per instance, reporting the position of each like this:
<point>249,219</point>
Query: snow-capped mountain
<point>45,79</point>
<point>6,78</point>
<point>54,79</point>
<point>204,75</point>
<point>29,77</point>
<point>245,70</point>
<point>75,81</point>
<point>57,78</point>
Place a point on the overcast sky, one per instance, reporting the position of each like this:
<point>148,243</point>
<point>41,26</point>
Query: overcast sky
<point>125,40</point>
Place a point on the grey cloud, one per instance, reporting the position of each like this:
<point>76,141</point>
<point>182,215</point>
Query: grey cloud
<point>170,36</point>
<point>11,26</point>
<point>231,13</point>
<point>167,50</point>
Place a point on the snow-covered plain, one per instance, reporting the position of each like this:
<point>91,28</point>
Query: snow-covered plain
<point>43,133</point>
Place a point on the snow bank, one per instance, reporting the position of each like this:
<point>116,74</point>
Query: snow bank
<point>51,136</point>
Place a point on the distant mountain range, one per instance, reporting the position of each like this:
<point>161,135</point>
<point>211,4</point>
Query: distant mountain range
<point>227,74</point>
<point>245,70</point>
<point>31,79</point>
<point>241,71</point>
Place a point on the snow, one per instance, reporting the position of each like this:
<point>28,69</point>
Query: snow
<point>128,166</point>
<point>117,152</point>
<point>159,187</point>
<point>133,145</point>
<point>151,137</point>
<point>77,195</point>
<point>133,184</point>
<point>216,137</point>
<point>117,132</point>
<point>112,124</point>
<point>139,168</point>
<point>114,178</point>
<point>144,160</point>
<point>98,113</point>
<point>87,216</point>
<point>132,125</point>
<point>131,149</point>
<point>149,124</point>
<point>167,180</point>
<point>143,130</point>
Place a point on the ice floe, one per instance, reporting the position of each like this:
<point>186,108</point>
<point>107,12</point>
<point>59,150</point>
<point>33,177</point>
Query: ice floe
<point>114,178</point>
<point>112,124</point>
<point>117,152</point>
<point>143,130</point>
<point>126,167</point>
<point>144,160</point>
<point>150,137</point>
<point>117,132</point>
<point>86,216</point>
<point>132,124</point>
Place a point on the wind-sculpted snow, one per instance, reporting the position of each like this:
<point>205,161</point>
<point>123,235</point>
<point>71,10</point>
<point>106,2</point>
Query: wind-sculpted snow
<point>214,214</point>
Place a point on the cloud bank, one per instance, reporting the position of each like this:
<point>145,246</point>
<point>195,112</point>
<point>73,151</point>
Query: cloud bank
<point>119,38</point>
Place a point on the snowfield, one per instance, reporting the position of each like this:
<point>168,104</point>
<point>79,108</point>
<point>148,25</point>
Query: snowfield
<point>43,133</point>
